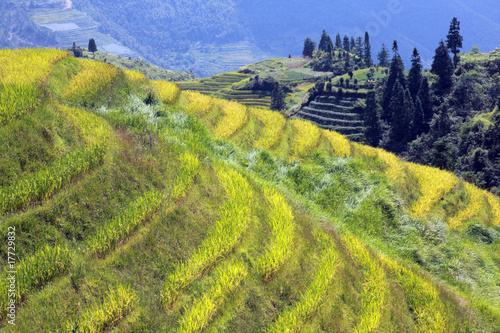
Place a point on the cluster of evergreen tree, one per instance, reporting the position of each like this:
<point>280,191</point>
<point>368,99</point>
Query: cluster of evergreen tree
<point>432,124</point>
<point>339,57</point>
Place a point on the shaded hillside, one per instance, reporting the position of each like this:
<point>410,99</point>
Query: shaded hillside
<point>210,37</point>
<point>175,211</point>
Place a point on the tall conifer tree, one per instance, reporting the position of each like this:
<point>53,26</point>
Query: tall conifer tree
<point>443,67</point>
<point>368,51</point>
<point>415,75</point>
<point>454,40</point>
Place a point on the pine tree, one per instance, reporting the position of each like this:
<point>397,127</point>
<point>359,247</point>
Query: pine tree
<point>346,44</point>
<point>415,75</point>
<point>309,47</point>
<point>443,67</point>
<point>383,57</point>
<point>352,43</point>
<point>368,51</point>
<point>325,43</point>
<point>454,40</point>
<point>396,75</point>
<point>278,98</point>
<point>92,45</point>
<point>395,47</point>
<point>359,47</point>
<point>418,125</point>
<point>425,99</point>
<point>338,42</point>
<point>400,119</point>
<point>373,131</point>
<point>347,64</point>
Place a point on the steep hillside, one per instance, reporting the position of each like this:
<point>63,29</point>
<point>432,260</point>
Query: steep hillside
<point>131,205</point>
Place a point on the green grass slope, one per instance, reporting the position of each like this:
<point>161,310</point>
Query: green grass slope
<point>195,214</point>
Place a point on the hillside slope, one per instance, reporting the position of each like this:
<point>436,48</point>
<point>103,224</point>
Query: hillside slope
<point>174,211</point>
<point>210,37</point>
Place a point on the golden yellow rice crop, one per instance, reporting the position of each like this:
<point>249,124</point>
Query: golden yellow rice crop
<point>167,91</point>
<point>235,117</point>
<point>421,296</point>
<point>134,76</point>
<point>22,72</point>
<point>305,137</point>
<point>476,201</point>
<point>274,124</point>
<point>340,144</point>
<point>434,184</point>
<point>197,103</point>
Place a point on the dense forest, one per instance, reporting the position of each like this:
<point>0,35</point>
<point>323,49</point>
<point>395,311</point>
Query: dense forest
<point>447,117</point>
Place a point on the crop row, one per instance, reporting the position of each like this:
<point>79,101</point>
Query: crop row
<point>27,65</point>
<point>372,300</point>
<point>90,82</point>
<point>330,121</point>
<point>229,277</point>
<point>422,298</point>
<point>134,76</point>
<point>167,91</point>
<point>125,223</point>
<point>197,103</point>
<point>117,304</point>
<point>340,145</point>
<point>21,74</point>
<point>305,137</point>
<point>274,124</point>
<point>35,271</point>
<point>330,106</point>
<point>281,223</point>
<point>45,182</point>
<point>223,237</point>
<point>434,184</point>
<point>476,201</point>
<point>235,116</point>
<point>332,114</point>
<point>293,320</point>
<point>142,209</point>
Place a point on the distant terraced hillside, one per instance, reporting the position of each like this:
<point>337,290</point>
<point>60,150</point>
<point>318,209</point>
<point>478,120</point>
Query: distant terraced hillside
<point>135,206</point>
<point>336,113</point>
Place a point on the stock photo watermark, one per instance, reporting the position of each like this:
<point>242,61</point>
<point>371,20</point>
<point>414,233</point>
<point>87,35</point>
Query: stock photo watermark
<point>11,275</point>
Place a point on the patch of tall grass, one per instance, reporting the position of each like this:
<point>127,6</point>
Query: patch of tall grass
<point>197,103</point>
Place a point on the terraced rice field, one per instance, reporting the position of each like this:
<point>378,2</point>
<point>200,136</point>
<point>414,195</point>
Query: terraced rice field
<point>334,113</point>
<point>177,229</point>
<point>220,85</point>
